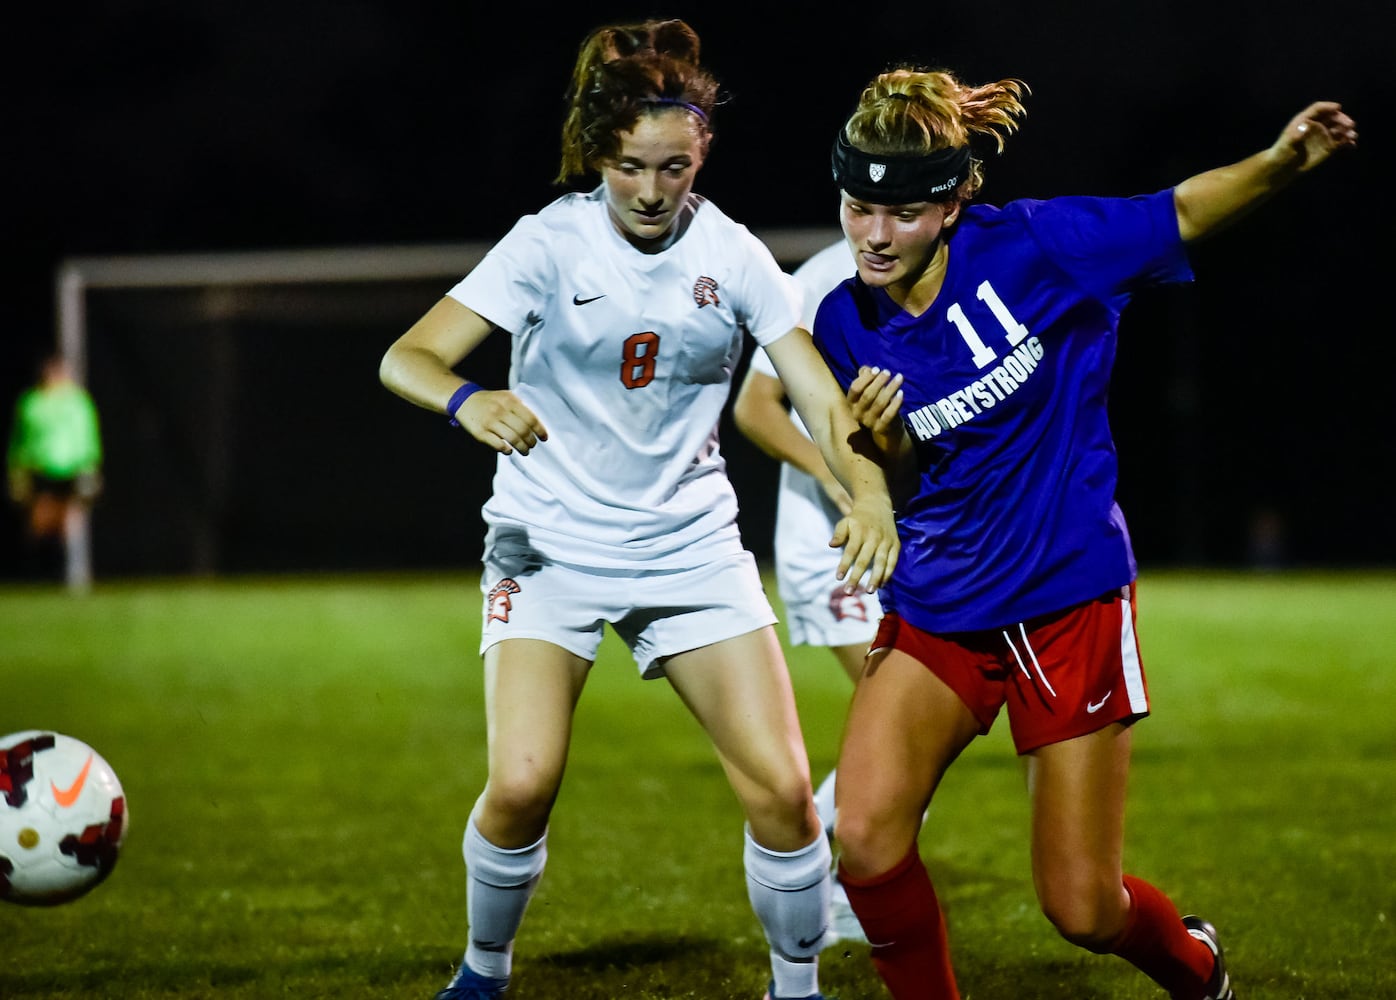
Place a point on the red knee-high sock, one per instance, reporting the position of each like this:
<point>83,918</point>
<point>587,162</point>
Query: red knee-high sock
<point>901,917</point>
<point>1156,942</point>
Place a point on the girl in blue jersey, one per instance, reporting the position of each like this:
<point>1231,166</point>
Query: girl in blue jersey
<point>977,343</point>
<point>627,308</point>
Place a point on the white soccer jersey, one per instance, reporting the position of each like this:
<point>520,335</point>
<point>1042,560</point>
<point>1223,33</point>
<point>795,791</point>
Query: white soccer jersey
<point>627,358</point>
<point>818,613</point>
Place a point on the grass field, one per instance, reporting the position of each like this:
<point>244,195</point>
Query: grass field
<point>300,755</point>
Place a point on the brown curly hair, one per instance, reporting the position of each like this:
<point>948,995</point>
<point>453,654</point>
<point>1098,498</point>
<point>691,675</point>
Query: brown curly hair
<point>623,71</point>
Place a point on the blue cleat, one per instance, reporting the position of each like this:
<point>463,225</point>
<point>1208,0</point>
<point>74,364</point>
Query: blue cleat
<point>1219,986</point>
<point>470,985</point>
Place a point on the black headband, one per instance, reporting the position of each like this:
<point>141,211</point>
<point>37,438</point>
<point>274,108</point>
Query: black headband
<point>899,180</point>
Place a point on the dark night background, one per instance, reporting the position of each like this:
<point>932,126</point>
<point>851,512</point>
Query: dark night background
<point>164,127</point>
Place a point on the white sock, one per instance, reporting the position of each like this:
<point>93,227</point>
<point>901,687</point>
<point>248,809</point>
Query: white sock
<point>790,895</point>
<point>501,882</point>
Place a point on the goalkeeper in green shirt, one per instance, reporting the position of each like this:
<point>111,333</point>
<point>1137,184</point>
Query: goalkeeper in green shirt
<point>54,462</point>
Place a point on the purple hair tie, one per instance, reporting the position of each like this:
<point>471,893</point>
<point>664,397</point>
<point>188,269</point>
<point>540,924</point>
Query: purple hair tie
<point>674,102</point>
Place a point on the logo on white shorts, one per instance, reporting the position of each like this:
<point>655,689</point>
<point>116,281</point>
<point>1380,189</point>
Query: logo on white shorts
<point>498,604</point>
<point>1092,707</point>
<point>847,606</point>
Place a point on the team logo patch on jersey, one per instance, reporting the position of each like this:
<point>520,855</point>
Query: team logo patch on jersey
<point>705,292</point>
<point>847,607</point>
<point>877,171</point>
<point>499,601</point>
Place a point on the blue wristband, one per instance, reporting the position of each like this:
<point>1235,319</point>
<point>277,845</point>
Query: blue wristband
<point>466,390</point>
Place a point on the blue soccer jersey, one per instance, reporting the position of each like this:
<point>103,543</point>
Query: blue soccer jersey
<point>1006,383</point>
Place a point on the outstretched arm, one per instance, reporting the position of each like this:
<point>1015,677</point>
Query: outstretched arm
<point>868,533</point>
<point>1210,201</point>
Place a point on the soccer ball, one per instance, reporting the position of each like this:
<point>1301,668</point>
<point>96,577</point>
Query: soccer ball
<point>62,818</point>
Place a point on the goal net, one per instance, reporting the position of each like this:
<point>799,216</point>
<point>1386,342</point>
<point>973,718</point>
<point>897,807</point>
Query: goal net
<point>245,429</point>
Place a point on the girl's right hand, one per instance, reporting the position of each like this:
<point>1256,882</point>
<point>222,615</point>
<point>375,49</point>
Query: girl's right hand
<point>499,419</point>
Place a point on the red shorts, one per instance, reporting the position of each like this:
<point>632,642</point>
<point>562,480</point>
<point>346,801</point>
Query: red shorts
<point>1062,675</point>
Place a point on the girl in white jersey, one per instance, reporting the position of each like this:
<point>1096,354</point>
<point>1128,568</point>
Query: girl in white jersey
<point>625,307</point>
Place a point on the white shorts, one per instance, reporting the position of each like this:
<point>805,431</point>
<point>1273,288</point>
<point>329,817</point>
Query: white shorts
<point>656,613</point>
<point>817,611</point>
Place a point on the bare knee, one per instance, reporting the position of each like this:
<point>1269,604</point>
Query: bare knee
<point>871,843</point>
<point>781,813</point>
<point>856,833</point>
<point>514,809</point>
<point>1090,916</point>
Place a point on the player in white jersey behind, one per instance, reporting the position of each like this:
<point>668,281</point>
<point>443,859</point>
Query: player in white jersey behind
<point>626,307</point>
<point>819,611</point>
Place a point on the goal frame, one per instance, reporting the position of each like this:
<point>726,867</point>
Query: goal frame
<point>77,277</point>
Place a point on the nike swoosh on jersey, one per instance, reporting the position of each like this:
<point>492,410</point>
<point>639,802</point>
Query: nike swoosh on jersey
<point>1092,707</point>
<point>67,796</point>
<point>577,300</point>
